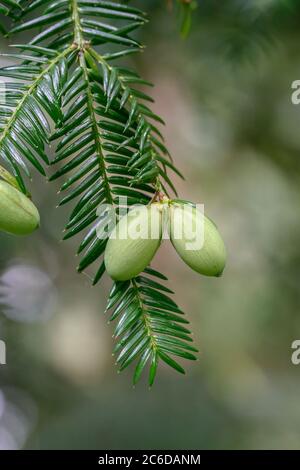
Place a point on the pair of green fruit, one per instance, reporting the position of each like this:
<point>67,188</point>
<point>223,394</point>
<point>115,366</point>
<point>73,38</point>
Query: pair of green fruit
<point>138,235</point>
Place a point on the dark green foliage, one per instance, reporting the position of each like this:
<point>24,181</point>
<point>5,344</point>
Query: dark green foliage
<point>108,145</point>
<point>185,13</point>
<point>10,9</point>
<point>150,325</point>
<point>24,104</point>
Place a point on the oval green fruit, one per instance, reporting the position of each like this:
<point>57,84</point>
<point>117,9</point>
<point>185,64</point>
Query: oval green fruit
<point>134,242</point>
<point>197,240</point>
<point>18,215</point>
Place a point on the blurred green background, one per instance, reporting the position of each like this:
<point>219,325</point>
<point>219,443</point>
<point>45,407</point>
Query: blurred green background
<point>225,94</point>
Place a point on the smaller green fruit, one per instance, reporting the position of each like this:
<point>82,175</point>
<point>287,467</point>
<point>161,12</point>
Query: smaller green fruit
<point>196,239</point>
<point>6,176</point>
<point>134,242</point>
<point>18,215</point>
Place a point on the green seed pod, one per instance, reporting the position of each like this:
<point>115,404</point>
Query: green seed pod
<point>6,176</point>
<point>18,215</point>
<point>134,242</point>
<point>197,240</point>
